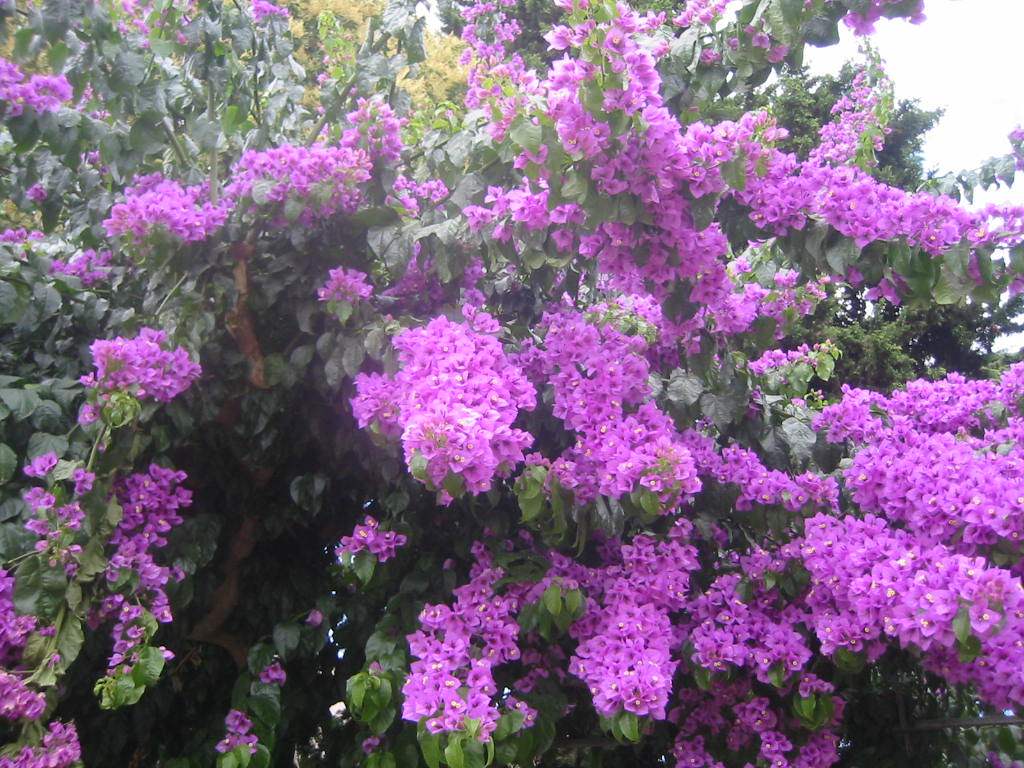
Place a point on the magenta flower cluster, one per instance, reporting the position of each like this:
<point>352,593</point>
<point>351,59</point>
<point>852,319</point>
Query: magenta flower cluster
<point>41,93</point>
<point>320,180</point>
<point>862,21</point>
<point>273,674</point>
<point>89,266</point>
<point>456,651</point>
<point>598,375</point>
<point>368,536</point>
<point>871,582</point>
<point>239,733</point>
<point>627,649</point>
<point>14,627</point>
<point>143,366</point>
<point>151,504</point>
<point>345,284</point>
<point>775,359</point>
<point>732,713</point>
<point>58,748</point>
<point>264,9</point>
<point>375,129</point>
<point>453,401</point>
<point>412,195</point>
<point>858,118</point>
<point>154,206</point>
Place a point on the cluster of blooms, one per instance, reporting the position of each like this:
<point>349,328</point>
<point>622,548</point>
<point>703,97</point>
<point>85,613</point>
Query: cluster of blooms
<point>774,359</point>
<point>656,162</point>
<point>927,457</point>
<point>412,194</point>
<point>757,484</point>
<point>456,650</point>
<point>151,503</point>
<point>751,633</point>
<point>142,366</point>
<point>36,193</point>
<point>626,639</point>
<point>324,180</point>
<point>599,377</point>
<point>55,525</point>
<point>14,627</point>
<point>700,11</point>
<point>264,9</point>
<point>942,487</point>
<point>42,93</point>
<point>17,700</point>
<point>859,116</point>
<point>418,290</point>
<point>345,285</point>
<point>369,537</point>
<point>996,761</point>
<point>661,166</point>
<point>239,733</point>
<point>273,674</point>
<point>89,266</point>
<point>59,748</point>
<point>154,205</point>
<point>499,84</point>
<point>862,21</point>
<point>376,130</point>
<point>868,579</point>
<point>731,710</point>
<point>453,401</point>
<point>19,235</point>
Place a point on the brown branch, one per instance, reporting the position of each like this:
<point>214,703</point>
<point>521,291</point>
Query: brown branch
<point>989,721</point>
<point>225,598</point>
<point>239,320</point>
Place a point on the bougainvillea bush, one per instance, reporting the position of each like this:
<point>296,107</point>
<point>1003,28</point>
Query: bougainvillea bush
<point>338,432</point>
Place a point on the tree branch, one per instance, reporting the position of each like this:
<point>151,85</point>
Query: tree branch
<point>225,598</point>
<point>239,320</point>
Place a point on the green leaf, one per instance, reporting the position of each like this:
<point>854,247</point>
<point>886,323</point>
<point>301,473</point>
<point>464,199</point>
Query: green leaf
<point>841,255</point>
<point>364,565</point>
<point>151,663</point>
<point>355,690</point>
<point>552,599</point>
<point>261,757</point>
<point>527,135</point>
<point>22,402</point>
<point>848,661</point>
<point>962,625</point>
<point>41,443</point>
<point>734,172</point>
<point>799,437</point>
<point>970,649</point>
<point>8,463</point>
<point>286,638</point>
<point>430,745</point>
<point>684,388</point>
<point>453,754</point>
<point>629,725</point>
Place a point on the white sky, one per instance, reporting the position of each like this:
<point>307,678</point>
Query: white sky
<point>965,58</point>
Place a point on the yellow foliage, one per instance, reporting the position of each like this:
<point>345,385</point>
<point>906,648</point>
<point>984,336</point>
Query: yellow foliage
<point>441,77</point>
<point>356,12</point>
